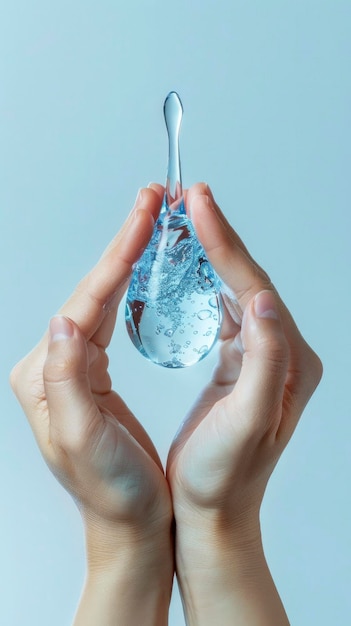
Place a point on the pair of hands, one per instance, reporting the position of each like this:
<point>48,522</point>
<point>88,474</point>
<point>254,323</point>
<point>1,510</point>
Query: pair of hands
<point>222,456</point>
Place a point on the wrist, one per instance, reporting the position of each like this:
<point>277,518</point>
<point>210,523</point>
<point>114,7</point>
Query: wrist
<point>220,527</point>
<point>129,575</point>
<point>222,570</point>
<point>108,544</point>
<point>210,541</point>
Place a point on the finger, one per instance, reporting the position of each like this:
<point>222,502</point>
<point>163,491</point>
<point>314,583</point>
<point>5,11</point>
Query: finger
<point>229,364</point>
<point>91,300</point>
<point>204,189</point>
<point>100,381</point>
<point>255,405</point>
<point>224,248</point>
<point>270,391</point>
<point>160,190</point>
<point>74,419</point>
<point>108,277</point>
<point>148,199</point>
<point>243,278</point>
<point>103,335</point>
<point>231,322</point>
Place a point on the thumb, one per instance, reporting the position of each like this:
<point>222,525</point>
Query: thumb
<point>73,413</point>
<point>259,391</point>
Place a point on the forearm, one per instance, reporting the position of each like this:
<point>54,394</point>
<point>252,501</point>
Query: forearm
<point>130,588</point>
<point>122,599</point>
<point>223,580</point>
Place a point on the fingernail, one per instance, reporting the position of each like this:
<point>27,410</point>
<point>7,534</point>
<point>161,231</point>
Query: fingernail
<point>60,328</point>
<point>265,305</point>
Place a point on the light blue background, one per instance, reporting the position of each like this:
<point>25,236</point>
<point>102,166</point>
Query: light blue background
<point>266,92</point>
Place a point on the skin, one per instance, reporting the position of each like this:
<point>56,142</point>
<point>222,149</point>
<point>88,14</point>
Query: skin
<point>219,462</point>
<point>222,457</point>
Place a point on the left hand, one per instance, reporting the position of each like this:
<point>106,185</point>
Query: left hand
<point>89,438</point>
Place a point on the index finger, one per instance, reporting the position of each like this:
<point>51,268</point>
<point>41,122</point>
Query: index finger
<point>226,251</point>
<point>244,278</point>
<point>107,280</point>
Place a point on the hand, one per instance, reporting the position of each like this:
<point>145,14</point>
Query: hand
<point>222,457</point>
<point>89,438</point>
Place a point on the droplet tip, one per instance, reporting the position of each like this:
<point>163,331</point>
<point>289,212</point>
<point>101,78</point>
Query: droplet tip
<point>173,95</point>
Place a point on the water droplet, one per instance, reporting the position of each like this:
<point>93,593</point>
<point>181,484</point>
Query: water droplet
<point>204,314</point>
<point>173,280</point>
<point>203,349</point>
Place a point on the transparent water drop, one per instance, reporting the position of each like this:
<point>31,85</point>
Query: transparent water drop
<point>173,283</point>
<point>203,315</point>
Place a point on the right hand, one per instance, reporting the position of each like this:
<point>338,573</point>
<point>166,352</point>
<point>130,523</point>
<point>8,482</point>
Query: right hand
<point>226,449</point>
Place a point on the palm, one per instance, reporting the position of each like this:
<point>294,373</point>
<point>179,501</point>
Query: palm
<point>125,463</point>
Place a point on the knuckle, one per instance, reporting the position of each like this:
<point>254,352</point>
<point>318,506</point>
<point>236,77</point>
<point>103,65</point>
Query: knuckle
<point>22,380</point>
<point>307,358</point>
<point>315,367</point>
<point>26,380</point>
<point>15,376</point>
